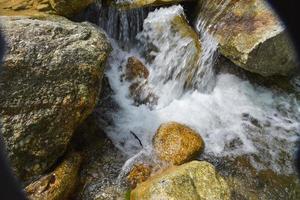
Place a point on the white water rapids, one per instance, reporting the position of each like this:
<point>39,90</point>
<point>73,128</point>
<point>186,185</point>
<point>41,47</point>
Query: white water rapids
<point>233,116</point>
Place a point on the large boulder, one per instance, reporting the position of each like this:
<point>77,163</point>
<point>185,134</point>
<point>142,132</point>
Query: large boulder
<point>177,143</point>
<point>50,80</point>
<point>194,180</point>
<point>60,183</point>
<point>250,35</point>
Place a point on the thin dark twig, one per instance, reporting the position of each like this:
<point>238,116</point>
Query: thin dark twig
<point>136,137</point>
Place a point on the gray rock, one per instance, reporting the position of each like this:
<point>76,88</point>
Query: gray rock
<point>49,84</point>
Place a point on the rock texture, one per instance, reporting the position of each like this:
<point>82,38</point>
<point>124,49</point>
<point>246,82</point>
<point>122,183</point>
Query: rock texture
<point>139,173</point>
<point>177,143</point>
<point>38,8</point>
<point>49,84</point>
<point>135,69</point>
<point>42,8</point>
<point>191,181</point>
<point>59,184</point>
<point>143,3</point>
<point>68,8</point>
<point>250,35</point>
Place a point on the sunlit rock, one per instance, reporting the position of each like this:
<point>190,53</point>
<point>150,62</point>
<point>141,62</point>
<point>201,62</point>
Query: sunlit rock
<point>177,143</point>
<point>59,184</point>
<point>250,35</point>
<point>50,81</point>
<point>37,8</point>
<point>131,4</point>
<point>190,181</point>
<point>42,8</point>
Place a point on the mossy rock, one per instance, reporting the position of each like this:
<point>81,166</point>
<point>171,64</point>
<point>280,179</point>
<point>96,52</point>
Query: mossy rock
<point>190,181</point>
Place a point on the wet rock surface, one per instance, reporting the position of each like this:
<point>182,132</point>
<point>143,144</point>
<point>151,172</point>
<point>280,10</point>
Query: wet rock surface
<point>135,69</point>
<point>177,143</point>
<point>172,36</point>
<point>50,82</point>
<point>250,35</point>
<point>138,174</point>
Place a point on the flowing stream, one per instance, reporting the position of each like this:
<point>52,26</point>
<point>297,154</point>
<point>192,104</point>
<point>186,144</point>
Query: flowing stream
<point>235,117</point>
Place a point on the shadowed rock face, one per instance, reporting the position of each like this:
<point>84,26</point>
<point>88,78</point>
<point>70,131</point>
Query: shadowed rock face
<point>49,84</point>
<point>250,35</point>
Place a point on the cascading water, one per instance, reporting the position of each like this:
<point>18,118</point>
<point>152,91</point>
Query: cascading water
<point>225,117</point>
<point>205,75</point>
<point>233,116</point>
<point>121,25</point>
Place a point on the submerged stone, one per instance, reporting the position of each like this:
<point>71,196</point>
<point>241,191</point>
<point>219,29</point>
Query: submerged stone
<point>135,69</point>
<point>190,181</point>
<point>138,174</point>
<point>50,81</point>
<point>250,35</point>
<point>177,143</point>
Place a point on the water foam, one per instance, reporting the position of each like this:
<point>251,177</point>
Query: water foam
<point>235,118</point>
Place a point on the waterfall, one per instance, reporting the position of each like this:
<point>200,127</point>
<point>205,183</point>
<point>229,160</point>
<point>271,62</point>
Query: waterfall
<point>227,111</point>
<point>234,117</point>
<point>205,75</point>
<point>121,25</point>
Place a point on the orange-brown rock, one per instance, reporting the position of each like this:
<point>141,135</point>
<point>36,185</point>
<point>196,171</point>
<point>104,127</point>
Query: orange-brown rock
<point>59,184</point>
<point>138,174</point>
<point>177,143</point>
<point>135,69</point>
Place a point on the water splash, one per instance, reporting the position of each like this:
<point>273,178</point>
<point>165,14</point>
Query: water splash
<point>205,75</point>
<point>235,118</point>
<point>174,56</point>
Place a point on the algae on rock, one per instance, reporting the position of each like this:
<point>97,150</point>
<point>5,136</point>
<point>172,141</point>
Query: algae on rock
<point>191,181</point>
